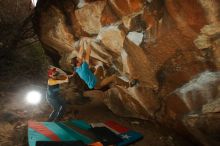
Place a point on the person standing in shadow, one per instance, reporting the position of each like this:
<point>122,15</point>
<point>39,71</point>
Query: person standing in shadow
<point>53,93</point>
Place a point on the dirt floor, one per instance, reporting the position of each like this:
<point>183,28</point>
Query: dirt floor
<point>15,113</point>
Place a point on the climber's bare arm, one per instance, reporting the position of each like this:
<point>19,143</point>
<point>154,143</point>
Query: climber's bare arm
<point>61,77</point>
<point>88,52</point>
<point>80,54</point>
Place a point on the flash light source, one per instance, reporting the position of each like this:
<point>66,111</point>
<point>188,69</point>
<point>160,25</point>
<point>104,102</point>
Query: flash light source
<point>34,2</point>
<point>33,97</point>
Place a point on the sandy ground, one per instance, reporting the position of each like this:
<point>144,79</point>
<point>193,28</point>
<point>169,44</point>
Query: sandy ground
<point>15,113</point>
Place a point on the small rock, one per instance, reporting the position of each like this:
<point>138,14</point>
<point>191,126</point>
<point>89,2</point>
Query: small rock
<point>19,125</point>
<point>170,137</point>
<point>2,94</point>
<point>135,37</point>
<point>1,44</point>
<point>9,117</point>
<point>81,3</point>
<point>149,1</point>
<point>82,100</point>
<point>135,123</point>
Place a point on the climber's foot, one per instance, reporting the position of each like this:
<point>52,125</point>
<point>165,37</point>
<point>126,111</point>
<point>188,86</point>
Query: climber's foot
<point>133,83</point>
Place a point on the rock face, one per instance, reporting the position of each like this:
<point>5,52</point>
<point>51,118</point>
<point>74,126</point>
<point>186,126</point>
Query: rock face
<point>89,17</point>
<point>172,47</point>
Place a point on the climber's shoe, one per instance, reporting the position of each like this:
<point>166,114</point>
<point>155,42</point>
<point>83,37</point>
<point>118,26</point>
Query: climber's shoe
<point>133,83</point>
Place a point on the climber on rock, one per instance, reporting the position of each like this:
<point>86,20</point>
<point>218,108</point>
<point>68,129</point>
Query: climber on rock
<point>80,65</point>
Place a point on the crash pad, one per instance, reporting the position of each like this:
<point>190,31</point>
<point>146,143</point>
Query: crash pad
<point>53,131</point>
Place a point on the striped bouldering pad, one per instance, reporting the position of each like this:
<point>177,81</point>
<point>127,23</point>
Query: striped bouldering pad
<point>80,133</point>
<point>128,136</point>
<point>53,131</point>
<point>106,136</point>
<point>60,143</point>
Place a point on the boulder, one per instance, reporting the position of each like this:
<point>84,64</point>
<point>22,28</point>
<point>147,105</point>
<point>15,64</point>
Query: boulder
<point>138,65</point>
<point>112,38</point>
<point>180,72</point>
<point>134,22</point>
<point>123,8</point>
<point>192,102</point>
<point>89,17</point>
<point>188,15</point>
<point>208,39</point>
<point>108,16</point>
<point>121,103</point>
<point>54,31</point>
<point>170,46</point>
<point>216,53</point>
<point>205,127</point>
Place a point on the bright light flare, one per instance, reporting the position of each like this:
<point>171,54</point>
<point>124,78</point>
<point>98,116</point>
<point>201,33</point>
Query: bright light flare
<point>34,2</point>
<point>33,97</point>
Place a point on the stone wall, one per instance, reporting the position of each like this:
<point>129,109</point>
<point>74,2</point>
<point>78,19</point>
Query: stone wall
<point>170,46</point>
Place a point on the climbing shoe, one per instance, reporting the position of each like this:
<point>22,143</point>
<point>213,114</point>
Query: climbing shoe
<point>133,83</point>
